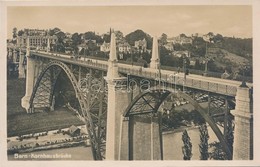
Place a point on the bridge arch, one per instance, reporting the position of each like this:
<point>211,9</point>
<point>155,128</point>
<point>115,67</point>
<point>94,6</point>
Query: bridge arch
<point>56,67</point>
<point>148,102</point>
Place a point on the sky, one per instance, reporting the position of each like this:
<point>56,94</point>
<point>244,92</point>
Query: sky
<point>228,20</point>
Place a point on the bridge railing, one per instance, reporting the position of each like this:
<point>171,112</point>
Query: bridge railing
<point>149,74</point>
<point>179,80</point>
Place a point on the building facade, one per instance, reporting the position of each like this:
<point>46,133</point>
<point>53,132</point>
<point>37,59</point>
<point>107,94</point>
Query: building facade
<point>105,47</point>
<point>141,45</point>
<point>36,41</point>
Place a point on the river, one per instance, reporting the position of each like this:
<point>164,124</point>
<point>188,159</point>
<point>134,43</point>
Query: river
<point>172,144</point>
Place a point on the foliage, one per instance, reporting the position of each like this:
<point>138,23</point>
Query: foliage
<point>139,35</point>
<point>14,32</point>
<point>241,47</point>
<point>204,137</point>
<point>20,32</point>
<point>217,152</point>
<point>53,31</point>
<point>163,39</point>
<point>92,36</point>
<point>187,146</point>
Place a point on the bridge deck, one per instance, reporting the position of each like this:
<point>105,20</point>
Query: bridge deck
<point>216,85</point>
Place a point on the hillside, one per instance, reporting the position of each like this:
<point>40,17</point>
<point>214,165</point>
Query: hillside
<point>225,59</point>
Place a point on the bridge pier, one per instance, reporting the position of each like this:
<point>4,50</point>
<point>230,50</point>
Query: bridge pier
<point>145,142</point>
<point>117,102</point>
<point>21,66</point>
<point>30,72</point>
<point>243,133</point>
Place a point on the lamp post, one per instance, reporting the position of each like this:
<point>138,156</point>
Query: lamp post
<point>184,73</point>
<point>243,67</point>
<point>206,61</point>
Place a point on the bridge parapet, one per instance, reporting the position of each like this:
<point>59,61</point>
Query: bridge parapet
<point>224,89</point>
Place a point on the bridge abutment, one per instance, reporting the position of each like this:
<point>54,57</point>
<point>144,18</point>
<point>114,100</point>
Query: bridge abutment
<point>243,133</point>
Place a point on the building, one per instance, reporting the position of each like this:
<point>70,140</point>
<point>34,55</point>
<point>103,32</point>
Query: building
<point>36,41</point>
<point>124,47</point>
<point>182,39</point>
<point>82,46</point>
<point>141,45</point>
<point>35,32</point>
<point>169,46</point>
<point>105,47</point>
<point>74,131</point>
<point>181,53</point>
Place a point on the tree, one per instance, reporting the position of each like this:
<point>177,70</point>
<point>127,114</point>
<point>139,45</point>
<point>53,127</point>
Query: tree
<point>75,39</point>
<point>204,137</point>
<point>187,146</point>
<point>139,35</point>
<point>163,39</point>
<point>183,35</point>
<point>20,33</point>
<point>217,151</point>
<point>14,32</point>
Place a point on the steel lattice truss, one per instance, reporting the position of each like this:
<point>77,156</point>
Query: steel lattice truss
<point>147,103</point>
<point>90,91</point>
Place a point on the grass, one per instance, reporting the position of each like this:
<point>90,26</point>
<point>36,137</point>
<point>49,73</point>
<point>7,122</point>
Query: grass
<point>20,123</point>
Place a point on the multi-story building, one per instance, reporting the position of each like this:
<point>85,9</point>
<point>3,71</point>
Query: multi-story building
<point>35,41</point>
<point>181,39</point>
<point>141,45</point>
<point>124,47</point>
<point>35,32</point>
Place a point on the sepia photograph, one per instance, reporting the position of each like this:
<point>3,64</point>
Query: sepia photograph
<point>115,82</point>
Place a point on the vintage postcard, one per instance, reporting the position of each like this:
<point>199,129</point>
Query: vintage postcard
<point>145,83</point>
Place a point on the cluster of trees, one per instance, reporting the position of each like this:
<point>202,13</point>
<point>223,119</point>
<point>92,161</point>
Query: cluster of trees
<point>216,153</point>
<point>241,47</point>
<point>175,118</point>
<point>139,35</point>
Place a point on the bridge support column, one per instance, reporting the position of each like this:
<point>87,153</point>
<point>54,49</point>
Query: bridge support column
<point>29,83</point>
<point>117,102</point>
<point>145,138</point>
<point>243,133</point>
<point>124,140</point>
<point>21,66</point>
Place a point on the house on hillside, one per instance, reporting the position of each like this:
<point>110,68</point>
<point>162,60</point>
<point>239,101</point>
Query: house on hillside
<point>141,45</point>
<point>181,53</point>
<point>124,47</point>
<point>169,46</point>
<point>182,39</point>
<point>105,47</point>
<point>82,46</point>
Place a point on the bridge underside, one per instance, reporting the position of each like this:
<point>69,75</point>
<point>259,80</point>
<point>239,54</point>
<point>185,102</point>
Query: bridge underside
<point>141,123</point>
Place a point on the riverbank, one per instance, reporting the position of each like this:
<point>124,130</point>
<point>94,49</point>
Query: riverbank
<point>20,123</point>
